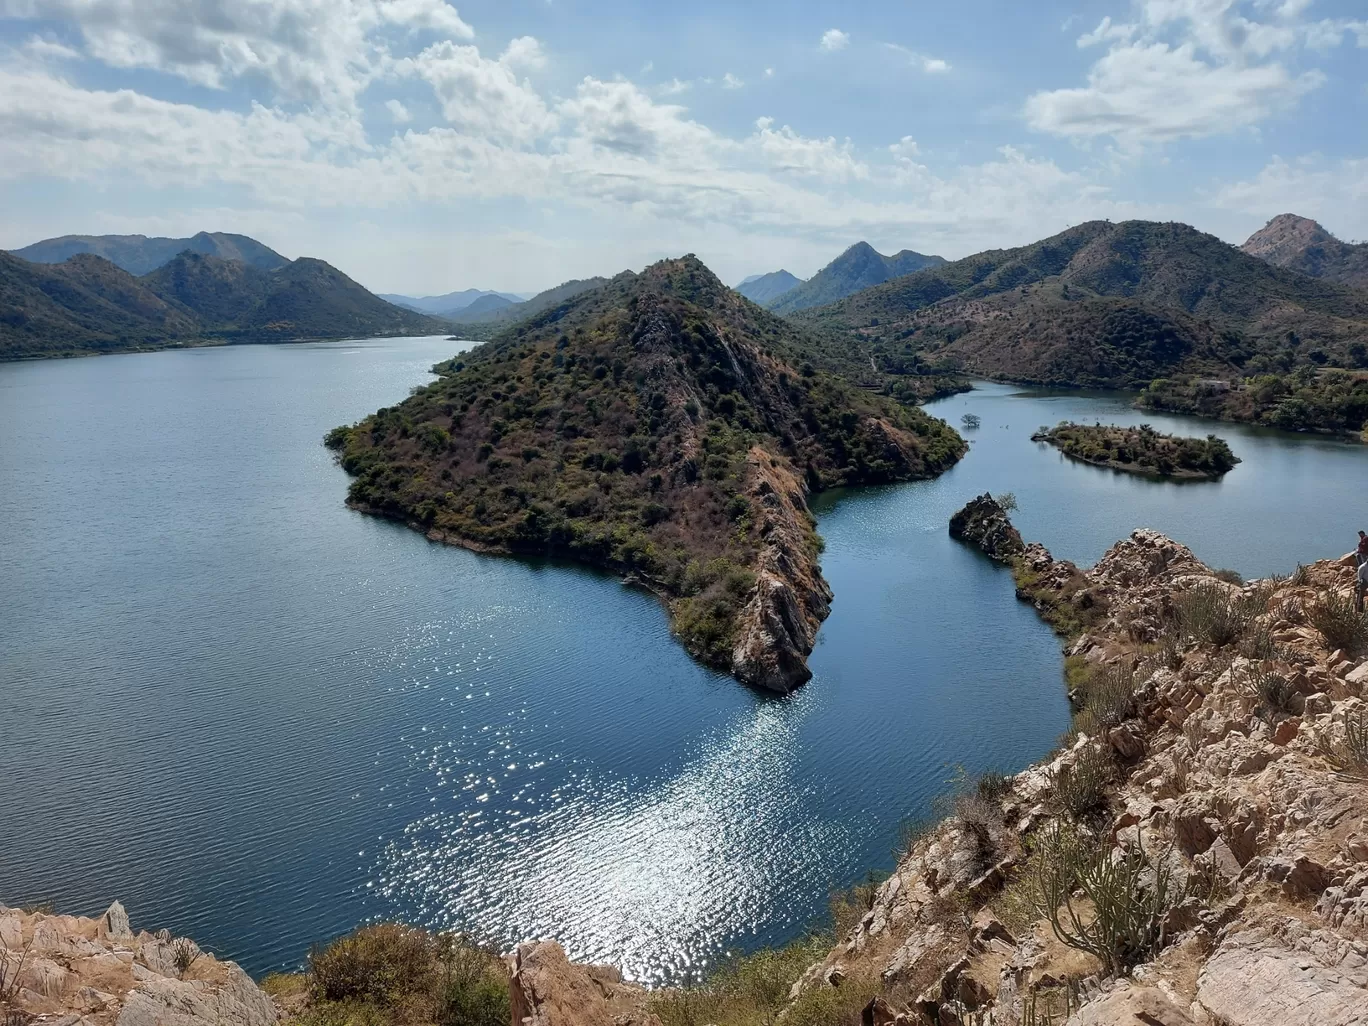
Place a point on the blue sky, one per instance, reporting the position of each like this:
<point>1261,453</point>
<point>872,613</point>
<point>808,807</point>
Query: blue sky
<point>423,146</point>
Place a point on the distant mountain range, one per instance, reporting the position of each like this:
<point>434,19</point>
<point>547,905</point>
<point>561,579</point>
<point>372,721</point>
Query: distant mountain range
<point>88,304</point>
<point>859,267</point>
<point>448,305</point>
<point>488,321</point>
<point>1300,244</point>
<point>138,254</point>
<point>1106,304</point>
<point>766,288</point>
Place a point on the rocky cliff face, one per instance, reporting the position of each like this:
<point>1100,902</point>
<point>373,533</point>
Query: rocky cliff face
<point>1250,794</point>
<point>75,971</point>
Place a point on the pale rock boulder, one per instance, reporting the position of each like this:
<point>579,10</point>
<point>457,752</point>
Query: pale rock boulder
<point>547,989</point>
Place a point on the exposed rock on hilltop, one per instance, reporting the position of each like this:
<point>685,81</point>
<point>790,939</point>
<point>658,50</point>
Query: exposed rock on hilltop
<point>75,971</point>
<point>546,989</point>
<point>662,427</point>
<point>1300,244</point>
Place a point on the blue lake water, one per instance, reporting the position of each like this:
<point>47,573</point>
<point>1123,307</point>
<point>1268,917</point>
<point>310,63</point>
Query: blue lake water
<point>259,718</point>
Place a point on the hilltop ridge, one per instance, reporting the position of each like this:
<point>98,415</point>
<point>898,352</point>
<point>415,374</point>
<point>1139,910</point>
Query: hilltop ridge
<point>138,254</point>
<point>1300,244</point>
<point>859,267</point>
<point>660,426</point>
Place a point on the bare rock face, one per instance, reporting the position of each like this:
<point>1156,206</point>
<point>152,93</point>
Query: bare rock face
<point>97,972</point>
<point>984,524</point>
<point>778,627</point>
<point>547,989</point>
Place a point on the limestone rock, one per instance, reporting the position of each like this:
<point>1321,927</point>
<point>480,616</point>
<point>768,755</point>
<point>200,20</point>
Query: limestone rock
<point>547,989</point>
<point>1131,1004</point>
<point>984,524</point>
<point>1256,979</point>
<point>114,923</point>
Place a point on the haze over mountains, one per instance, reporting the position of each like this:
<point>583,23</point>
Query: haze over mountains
<point>138,254</point>
<point>859,267</point>
<point>448,305</point>
<point>1300,244</point>
<point>766,288</point>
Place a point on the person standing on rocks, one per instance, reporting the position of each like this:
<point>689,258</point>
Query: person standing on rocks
<point>1362,554</point>
<point>1361,585</point>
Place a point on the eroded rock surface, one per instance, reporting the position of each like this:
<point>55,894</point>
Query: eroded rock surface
<point>547,989</point>
<point>96,972</point>
<point>1260,807</point>
<point>984,524</point>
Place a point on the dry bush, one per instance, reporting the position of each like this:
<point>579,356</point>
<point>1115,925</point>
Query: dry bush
<point>1273,691</point>
<point>1339,623</point>
<point>1208,614</point>
<point>1081,789</point>
<point>1109,904</point>
<point>1108,698</point>
<point>376,963</point>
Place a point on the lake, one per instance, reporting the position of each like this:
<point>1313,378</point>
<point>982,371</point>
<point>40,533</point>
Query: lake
<point>259,718</point>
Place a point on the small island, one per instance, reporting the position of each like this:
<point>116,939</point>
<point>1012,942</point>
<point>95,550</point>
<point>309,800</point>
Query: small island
<point>1141,450</point>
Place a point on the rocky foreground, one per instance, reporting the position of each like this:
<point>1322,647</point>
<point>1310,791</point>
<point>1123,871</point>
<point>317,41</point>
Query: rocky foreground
<point>75,971</point>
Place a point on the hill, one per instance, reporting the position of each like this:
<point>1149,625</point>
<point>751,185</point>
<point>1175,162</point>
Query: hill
<point>138,254</point>
<point>85,304</point>
<point>446,305</point>
<point>484,306</point>
<point>88,305</point>
<point>1107,304</point>
<point>766,288</point>
<point>859,267</point>
<point>1300,244</point>
<point>660,426</point>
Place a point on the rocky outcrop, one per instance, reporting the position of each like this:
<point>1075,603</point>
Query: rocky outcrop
<point>96,972</point>
<point>778,626</point>
<point>1258,804</point>
<point>984,524</point>
<point>547,989</point>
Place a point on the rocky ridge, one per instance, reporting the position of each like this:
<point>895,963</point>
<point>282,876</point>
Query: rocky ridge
<point>77,971</point>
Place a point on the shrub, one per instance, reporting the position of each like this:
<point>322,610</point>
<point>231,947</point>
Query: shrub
<point>1334,616</point>
<point>1008,502</point>
<point>992,785</point>
<point>848,907</point>
<point>1208,614</point>
<point>474,987</point>
<point>1108,698</point>
<point>1126,897</point>
<point>1080,789</point>
<point>376,963</point>
<point>184,954</point>
<point>1229,576</point>
<point>1274,691</point>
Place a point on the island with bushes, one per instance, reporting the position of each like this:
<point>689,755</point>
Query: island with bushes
<point>1141,450</point>
<point>1318,400</point>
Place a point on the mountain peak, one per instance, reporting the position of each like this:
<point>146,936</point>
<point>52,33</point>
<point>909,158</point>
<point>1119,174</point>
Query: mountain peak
<point>1301,244</point>
<point>861,266</point>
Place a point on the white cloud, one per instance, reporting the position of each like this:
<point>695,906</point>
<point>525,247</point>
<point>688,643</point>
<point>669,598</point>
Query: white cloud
<point>398,111</point>
<point>730,81</point>
<point>787,151</point>
<point>835,39</point>
<point>1332,191</point>
<point>930,65</point>
<point>315,51</point>
<point>1185,69</point>
<point>47,49</point>
<point>769,72</point>
<point>674,87</point>
<point>483,97</point>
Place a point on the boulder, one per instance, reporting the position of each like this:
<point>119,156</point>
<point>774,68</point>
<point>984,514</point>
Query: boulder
<point>984,524</point>
<point>114,923</point>
<point>1256,979</point>
<point>547,989</point>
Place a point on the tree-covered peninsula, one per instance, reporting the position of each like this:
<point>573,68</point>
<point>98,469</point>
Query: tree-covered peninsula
<point>662,427</point>
<point>1141,450</point>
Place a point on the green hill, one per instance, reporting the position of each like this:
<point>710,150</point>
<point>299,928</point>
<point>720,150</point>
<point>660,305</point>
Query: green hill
<point>660,426</point>
<point>859,267</point>
<point>138,254</point>
<point>766,288</point>
<point>87,304</point>
<point>1106,304</point>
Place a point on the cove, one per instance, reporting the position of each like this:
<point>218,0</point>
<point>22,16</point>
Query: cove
<point>259,718</point>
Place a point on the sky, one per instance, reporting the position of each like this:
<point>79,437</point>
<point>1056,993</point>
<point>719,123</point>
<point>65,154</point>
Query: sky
<point>423,146</point>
